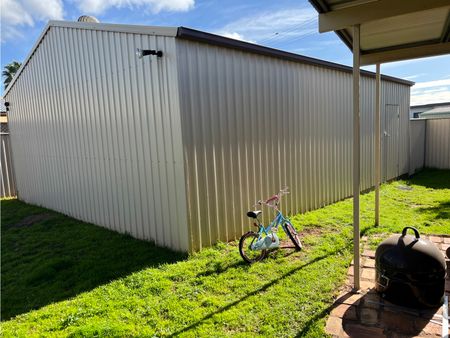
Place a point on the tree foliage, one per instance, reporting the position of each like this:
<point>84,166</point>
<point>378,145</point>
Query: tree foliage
<point>9,72</point>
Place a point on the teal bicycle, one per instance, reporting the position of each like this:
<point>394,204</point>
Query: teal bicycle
<point>253,246</point>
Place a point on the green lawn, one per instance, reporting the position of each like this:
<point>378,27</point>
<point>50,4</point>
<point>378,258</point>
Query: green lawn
<point>87,281</point>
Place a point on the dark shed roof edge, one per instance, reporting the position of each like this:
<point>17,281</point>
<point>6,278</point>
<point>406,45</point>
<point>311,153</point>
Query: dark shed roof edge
<point>213,39</point>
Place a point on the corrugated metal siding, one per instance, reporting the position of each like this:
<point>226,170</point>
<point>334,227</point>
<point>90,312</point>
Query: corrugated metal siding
<point>437,152</point>
<point>417,140</point>
<point>253,124</point>
<point>95,133</point>
<point>8,184</point>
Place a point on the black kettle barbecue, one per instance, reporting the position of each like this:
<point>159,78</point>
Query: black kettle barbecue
<point>410,271</point>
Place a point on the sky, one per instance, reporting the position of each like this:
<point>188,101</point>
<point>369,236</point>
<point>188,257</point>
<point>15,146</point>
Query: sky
<point>290,25</point>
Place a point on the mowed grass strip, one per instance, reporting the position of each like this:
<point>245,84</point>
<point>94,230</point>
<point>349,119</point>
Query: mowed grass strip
<point>208,294</point>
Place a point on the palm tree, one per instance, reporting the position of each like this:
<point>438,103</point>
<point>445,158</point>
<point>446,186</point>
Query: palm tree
<point>10,71</point>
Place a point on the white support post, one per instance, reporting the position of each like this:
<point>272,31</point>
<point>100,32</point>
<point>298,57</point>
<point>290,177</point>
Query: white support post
<point>377,145</point>
<point>356,158</point>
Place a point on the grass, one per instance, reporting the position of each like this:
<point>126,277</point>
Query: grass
<point>88,281</point>
<point>57,257</point>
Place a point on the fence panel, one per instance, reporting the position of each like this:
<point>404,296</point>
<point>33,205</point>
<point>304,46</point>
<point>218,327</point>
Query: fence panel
<point>417,141</point>
<point>437,144</point>
<point>8,186</point>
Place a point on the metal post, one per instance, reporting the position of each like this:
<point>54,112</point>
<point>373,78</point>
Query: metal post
<point>377,145</point>
<point>356,158</point>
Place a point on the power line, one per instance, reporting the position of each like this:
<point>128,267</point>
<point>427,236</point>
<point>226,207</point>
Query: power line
<point>281,35</point>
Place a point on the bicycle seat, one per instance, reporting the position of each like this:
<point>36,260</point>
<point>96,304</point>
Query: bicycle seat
<point>254,214</point>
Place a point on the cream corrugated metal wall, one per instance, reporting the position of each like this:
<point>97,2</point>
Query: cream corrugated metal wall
<point>8,184</point>
<point>94,132</point>
<point>417,139</point>
<point>437,152</point>
<point>253,124</point>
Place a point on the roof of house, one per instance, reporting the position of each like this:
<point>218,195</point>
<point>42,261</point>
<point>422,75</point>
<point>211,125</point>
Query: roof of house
<point>200,36</point>
<point>429,105</point>
<point>442,112</point>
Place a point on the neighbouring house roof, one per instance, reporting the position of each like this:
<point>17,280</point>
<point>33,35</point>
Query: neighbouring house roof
<point>436,113</point>
<point>200,36</point>
<point>430,105</point>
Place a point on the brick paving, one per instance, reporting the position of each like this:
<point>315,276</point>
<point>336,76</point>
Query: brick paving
<point>366,314</point>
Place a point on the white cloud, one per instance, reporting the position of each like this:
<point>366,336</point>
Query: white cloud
<point>434,83</point>
<point>16,14</point>
<point>278,26</point>
<point>45,10</point>
<point>415,76</point>
<point>431,92</point>
<point>419,98</point>
<point>236,36</point>
<point>155,6</point>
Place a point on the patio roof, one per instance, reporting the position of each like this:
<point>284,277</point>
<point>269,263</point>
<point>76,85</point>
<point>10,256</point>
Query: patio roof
<point>391,30</point>
<point>379,31</point>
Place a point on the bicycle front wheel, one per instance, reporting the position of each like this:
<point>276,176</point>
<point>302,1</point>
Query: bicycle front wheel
<point>245,248</point>
<point>292,233</point>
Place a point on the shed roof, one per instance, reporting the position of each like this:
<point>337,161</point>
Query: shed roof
<point>196,35</point>
<point>391,30</point>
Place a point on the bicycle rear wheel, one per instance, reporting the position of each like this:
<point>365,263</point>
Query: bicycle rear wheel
<point>292,233</point>
<point>245,243</point>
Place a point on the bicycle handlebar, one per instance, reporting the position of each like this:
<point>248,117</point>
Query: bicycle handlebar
<point>274,198</point>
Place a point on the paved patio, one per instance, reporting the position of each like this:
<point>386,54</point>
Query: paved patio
<point>368,315</point>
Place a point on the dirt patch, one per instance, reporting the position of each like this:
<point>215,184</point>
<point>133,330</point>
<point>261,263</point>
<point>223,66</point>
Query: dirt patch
<point>313,231</point>
<point>32,219</point>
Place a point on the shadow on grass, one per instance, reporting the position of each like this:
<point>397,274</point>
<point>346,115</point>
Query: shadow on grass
<point>441,211</point>
<point>432,178</point>
<point>47,257</point>
<point>260,290</point>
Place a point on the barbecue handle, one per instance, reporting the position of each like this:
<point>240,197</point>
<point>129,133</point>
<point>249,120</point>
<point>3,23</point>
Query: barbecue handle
<point>416,232</point>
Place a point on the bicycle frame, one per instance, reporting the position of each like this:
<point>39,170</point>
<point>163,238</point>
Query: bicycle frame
<point>276,222</point>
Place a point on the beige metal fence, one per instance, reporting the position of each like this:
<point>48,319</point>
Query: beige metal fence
<point>8,184</point>
<point>417,145</point>
<point>437,144</point>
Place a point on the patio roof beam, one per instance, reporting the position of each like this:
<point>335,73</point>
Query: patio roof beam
<point>405,53</point>
<point>372,10</point>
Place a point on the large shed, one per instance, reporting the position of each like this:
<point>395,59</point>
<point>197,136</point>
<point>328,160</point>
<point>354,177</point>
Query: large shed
<point>175,149</point>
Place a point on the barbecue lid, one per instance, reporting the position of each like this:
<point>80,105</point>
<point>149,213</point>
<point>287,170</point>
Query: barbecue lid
<point>410,254</point>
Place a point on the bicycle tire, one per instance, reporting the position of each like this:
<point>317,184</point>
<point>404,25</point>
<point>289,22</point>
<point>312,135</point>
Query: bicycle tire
<point>242,248</point>
<point>293,236</point>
